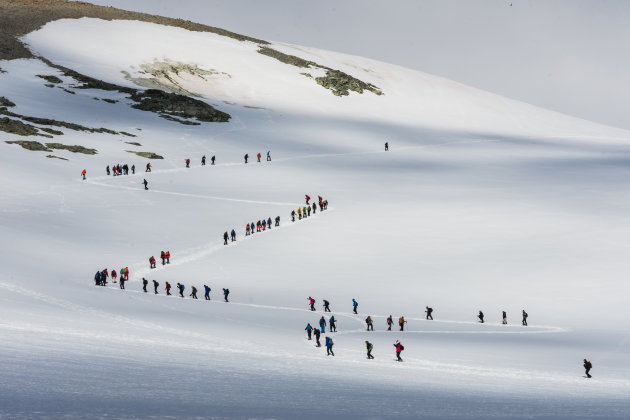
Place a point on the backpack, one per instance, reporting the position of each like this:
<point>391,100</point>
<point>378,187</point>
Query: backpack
<point>400,320</point>
<point>402,347</point>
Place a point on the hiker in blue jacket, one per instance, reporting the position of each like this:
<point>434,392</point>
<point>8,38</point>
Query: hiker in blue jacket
<point>354,305</point>
<point>207,289</point>
<point>308,330</point>
<point>322,324</point>
<point>332,322</point>
<point>97,278</point>
<point>329,346</point>
<point>233,235</point>
<point>181,289</point>
<point>269,223</point>
<point>226,292</point>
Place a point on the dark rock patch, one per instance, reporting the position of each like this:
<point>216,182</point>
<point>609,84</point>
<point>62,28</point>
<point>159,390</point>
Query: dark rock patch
<point>30,145</point>
<point>133,143</point>
<point>73,149</point>
<point>148,155</point>
<point>50,78</point>
<point>5,102</point>
<point>55,157</point>
<point>11,126</point>
<point>124,133</point>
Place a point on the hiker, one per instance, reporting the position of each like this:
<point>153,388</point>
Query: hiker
<point>264,224</point>
<point>122,282</point>
<point>399,348</point>
<point>258,156</point>
<point>247,229</point>
<point>524,322</point>
<point>306,196</point>
<point>145,182</point>
<point>370,325</point>
<point>277,220</point>
<point>167,254</point>
<point>268,155</point>
<point>133,169</point>
<point>148,167</point>
<point>293,215</point>
<point>329,346</point>
<point>311,301</point>
<point>258,226</point>
<point>480,316</point>
<point>107,169</point>
<point>126,169</point>
<point>168,289</point>
<point>225,238</point>
<point>97,278</point>
<point>269,223</point>
<point>588,366</point>
<point>308,330</point>
<point>390,322</point>
<point>114,275</point>
<point>299,212</point>
<point>163,257</point>
<point>144,284</point>
<point>188,163</point>
<point>181,288</point>
<point>401,323</point>
<point>194,292</point>
<point>429,311</point>
<point>252,228</point>
<point>152,262</point>
<point>322,324</point>
<point>504,318</point>
<point>386,146</point>
<point>207,290</point>
<point>369,347</point>
<point>326,306</point>
<point>203,160</point>
<point>314,208</point>
<point>354,305</point>
<point>155,286</point>
<point>226,292</point>
<point>212,160</point>
<point>233,235</point>
<point>246,157</point>
<point>308,210</point>
<point>317,333</point>
<point>83,174</point>
<point>332,323</point>
<point>104,277</point>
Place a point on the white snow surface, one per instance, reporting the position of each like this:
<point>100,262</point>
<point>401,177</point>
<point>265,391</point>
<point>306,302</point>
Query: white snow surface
<point>482,203</point>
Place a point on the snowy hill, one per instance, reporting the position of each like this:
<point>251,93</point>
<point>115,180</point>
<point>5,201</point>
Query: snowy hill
<point>481,203</point>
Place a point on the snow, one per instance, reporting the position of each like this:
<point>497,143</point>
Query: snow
<point>482,203</point>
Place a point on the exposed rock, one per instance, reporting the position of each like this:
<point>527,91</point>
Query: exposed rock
<point>286,58</point>
<point>73,149</point>
<point>124,133</point>
<point>148,155</point>
<point>111,101</point>
<point>5,102</point>
<point>55,123</point>
<point>133,143</point>
<point>30,145</point>
<point>338,82</point>
<point>341,83</point>
<point>55,157</point>
<point>185,122</point>
<point>177,105</point>
<point>50,78</point>
<point>12,126</point>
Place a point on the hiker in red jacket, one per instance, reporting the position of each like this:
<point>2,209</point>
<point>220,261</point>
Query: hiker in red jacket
<point>83,174</point>
<point>151,262</point>
<point>163,257</point>
<point>307,198</point>
<point>312,302</point>
<point>399,348</point>
<point>168,289</point>
<point>167,254</point>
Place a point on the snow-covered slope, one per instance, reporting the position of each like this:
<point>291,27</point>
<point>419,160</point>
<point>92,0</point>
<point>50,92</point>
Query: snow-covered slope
<point>481,203</point>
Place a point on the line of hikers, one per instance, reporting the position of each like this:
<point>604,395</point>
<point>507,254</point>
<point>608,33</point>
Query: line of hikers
<point>121,170</point>
<point>165,256</point>
<point>504,318</point>
<point>261,225</point>
<point>258,156</point>
<point>100,278</point>
<point>181,288</point>
<point>305,211</point>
